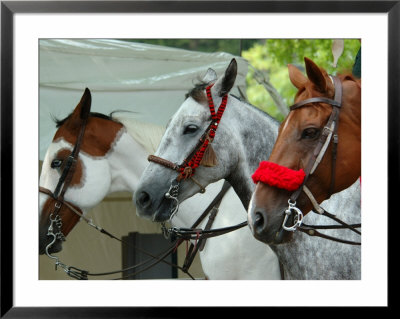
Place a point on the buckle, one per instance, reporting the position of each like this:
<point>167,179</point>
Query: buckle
<point>298,219</point>
<point>327,130</point>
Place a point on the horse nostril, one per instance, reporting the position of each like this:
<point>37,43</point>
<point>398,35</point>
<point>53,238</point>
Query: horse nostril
<point>259,222</point>
<point>143,200</point>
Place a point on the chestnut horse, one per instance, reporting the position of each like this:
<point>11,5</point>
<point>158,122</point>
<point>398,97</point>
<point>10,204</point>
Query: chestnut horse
<point>317,153</point>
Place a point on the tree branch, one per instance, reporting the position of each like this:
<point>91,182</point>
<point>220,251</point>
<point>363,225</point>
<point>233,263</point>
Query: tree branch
<point>263,79</point>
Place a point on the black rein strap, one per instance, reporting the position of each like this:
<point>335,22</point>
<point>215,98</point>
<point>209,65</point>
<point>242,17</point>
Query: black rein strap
<point>199,235</point>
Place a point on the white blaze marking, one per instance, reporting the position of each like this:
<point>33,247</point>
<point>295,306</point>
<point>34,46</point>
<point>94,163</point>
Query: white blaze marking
<point>287,121</point>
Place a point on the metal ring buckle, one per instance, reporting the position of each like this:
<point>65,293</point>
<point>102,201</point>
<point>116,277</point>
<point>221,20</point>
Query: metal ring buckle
<point>298,219</point>
<point>173,213</point>
<point>173,194</point>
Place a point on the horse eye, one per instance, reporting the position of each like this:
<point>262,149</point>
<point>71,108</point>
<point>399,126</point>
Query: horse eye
<point>190,129</point>
<point>310,133</point>
<point>56,163</point>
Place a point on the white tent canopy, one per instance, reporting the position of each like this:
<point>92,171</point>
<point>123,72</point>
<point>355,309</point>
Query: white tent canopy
<point>147,79</point>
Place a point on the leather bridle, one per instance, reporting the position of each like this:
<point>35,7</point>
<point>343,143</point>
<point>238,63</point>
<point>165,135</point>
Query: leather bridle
<point>62,186</point>
<point>329,133</point>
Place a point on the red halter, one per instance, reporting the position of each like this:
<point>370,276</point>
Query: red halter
<point>189,165</point>
<point>192,161</point>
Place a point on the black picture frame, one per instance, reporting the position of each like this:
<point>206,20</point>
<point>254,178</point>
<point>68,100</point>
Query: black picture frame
<point>9,8</point>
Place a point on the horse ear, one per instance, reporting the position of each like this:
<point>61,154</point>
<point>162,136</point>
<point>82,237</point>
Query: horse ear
<point>82,110</point>
<point>86,103</point>
<point>225,83</point>
<point>210,76</point>
<point>315,75</point>
<point>297,78</point>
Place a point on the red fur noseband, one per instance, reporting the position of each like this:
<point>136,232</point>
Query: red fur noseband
<point>278,176</point>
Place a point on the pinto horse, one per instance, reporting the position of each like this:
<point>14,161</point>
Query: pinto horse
<point>112,156</point>
<point>190,156</point>
<point>317,153</point>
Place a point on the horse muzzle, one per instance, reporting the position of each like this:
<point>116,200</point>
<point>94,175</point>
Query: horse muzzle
<point>267,227</point>
<point>45,240</point>
<point>56,224</point>
<point>154,207</point>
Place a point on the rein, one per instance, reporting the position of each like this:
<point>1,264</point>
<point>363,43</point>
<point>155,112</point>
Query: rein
<point>178,235</point>
<point>329,133</point>
<point>81,274</point>
<point>199,235</point>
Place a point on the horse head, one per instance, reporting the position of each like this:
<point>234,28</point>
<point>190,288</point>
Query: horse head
<point>75,173</point>
<point>315,153</point>
<point>188,146</point>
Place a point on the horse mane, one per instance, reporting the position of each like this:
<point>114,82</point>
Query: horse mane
<point>59,122</point>
<point>197,93</point>
<point>146,134</point>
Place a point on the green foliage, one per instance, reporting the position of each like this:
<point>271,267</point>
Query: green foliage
<point>272,57</point>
